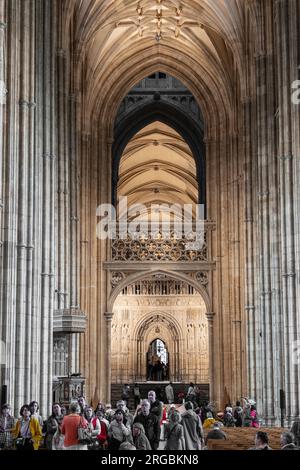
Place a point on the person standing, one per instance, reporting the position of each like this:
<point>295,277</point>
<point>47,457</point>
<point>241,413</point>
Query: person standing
<point>228,418</point>
<point>82,404</point>
<point>174,433</point>
<point>140,439</point>
<point>137,395</point>
<point>34,409</point>
<point>169,393</point>
<point>7,424</point>
<point>118,431</point>
<point>53,438</point>
<point>94,426</point>
<point>254,417</point>
<point>159,370</point>
<point>121,405</point>
<point>70,426</point>
<point>104,426</point>
<point>27,432</point>
<point>156,405</point>
<point>238,415</point>
<point>150,370</point>
<point>192,431</point>
<point>126,393</point>
<point>151,424</point>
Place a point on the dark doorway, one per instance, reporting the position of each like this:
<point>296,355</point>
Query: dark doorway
<point>157,361</point>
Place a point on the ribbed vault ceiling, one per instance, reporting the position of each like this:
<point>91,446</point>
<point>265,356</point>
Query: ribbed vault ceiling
<point>204,34</point>
<point>157,167</point>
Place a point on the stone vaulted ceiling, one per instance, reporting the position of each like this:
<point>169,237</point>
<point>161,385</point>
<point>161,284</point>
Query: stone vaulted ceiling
<point>115,36</point>
<point>157,167</point>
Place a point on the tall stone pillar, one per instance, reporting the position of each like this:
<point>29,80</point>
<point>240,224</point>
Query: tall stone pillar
<point>212,364</point>
<point>3,93</point>
<point>46,139</point>
<point>108,320</point>
<point>288,58</point>
<point>62,298</point>
<point>74,216</point>
<point>268,315</point>
<point>250,238</point>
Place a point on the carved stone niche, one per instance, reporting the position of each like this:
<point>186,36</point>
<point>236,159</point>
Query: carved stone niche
<point>116,278</point>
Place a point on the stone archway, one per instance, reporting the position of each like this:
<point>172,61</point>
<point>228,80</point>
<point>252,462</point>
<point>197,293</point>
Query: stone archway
<point>180,317</point>
<point>170,333</point>
<point>158,352</point>
<point>170,115</point>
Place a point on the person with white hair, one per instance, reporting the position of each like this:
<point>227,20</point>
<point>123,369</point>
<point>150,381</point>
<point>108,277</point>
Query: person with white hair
<point>229,420</point>
<point>151,424</point>
<point>127,446</point>
<point>156,406</point>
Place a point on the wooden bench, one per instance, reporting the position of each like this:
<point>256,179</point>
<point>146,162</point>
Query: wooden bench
<point>243,438</point>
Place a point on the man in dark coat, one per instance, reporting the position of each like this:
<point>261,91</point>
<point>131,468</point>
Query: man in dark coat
<point>151,424</point>
<point>156,405</point>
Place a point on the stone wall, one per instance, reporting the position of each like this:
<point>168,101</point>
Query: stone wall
<point>179,321</point>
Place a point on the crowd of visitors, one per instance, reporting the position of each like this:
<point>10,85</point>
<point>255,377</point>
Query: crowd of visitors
<point>151,427</point>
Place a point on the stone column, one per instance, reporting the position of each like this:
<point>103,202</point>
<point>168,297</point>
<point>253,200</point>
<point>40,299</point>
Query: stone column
<point>287,34</point>
<point>8,202</point>
<point>268,315</point>
<point>74,217</point>
<point>3,92</point>
<point>108,320</point>
<point>46,139</point>
<point>250,239</point>
<point>175,360</point>
<point>139,360</point>
<point>210,319</point>
<point>63,194</point>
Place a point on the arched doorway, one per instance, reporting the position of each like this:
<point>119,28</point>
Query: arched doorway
<point>157,360</point>
<point>155,308</point>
